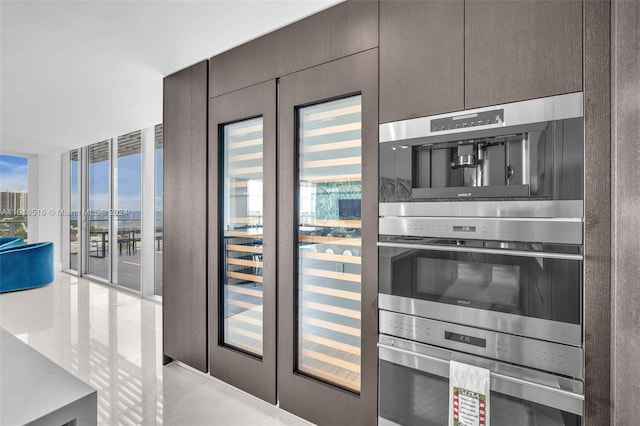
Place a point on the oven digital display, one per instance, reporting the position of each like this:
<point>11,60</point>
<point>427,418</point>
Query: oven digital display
<point>464,228</point>
<point>462,338</point>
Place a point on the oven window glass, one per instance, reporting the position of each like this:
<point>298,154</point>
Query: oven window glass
<point>484,283</point>
<point>412,397</point>
<point>528,286</point>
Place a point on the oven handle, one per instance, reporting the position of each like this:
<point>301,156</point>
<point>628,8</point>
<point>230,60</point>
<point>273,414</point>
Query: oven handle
<point>522,389</point>
<point>457,249</point>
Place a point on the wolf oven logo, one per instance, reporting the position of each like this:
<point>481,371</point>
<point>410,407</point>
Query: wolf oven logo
<point>464,302</point>
<point>464,194</point>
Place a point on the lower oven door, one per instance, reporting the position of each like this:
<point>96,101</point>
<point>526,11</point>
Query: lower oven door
<point>414,389</point>
<point>532,290</point>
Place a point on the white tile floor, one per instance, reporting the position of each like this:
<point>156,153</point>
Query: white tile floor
<point>113,341</point>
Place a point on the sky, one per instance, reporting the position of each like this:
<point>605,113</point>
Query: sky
<point>13,176</point>
<point>13,173</point>
<point>129,183</point>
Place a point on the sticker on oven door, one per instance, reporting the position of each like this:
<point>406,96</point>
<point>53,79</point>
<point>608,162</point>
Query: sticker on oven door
<point>468,395</point>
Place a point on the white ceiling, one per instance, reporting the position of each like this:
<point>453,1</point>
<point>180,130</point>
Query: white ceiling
<point>76,72</point>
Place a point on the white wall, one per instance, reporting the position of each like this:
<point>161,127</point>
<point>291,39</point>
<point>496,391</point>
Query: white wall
<point>33,186</point>
<point>45,196</point>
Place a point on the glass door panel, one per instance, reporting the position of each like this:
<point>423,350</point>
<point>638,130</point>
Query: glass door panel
<point>242,205</point>
<point>74,189</point>
<point>98,238</point>
<point>329,241</point>
<point>128,204</point>
<point>243,239</point>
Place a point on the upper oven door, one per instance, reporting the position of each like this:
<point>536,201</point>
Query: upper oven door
<point>525,289</point>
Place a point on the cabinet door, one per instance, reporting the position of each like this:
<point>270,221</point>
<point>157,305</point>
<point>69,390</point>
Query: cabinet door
<point>421,58</point>
<point>341,30</point>
<point>185,217</point>
<point>517,50</point>
<point>242,239</point>
<point>328,259</point>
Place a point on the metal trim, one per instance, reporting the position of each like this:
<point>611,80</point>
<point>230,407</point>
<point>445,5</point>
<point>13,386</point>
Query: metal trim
<point>523,389</point>
<point>529,209</point>
<point>504,252</point>
<point>539,208</point>
<point>517,113</point>
<point>147,205</point>
<point>66,195</point>
<point>537,230</point>
<point>463,192</point>
<point>112,220</point>
<point>536,328</point>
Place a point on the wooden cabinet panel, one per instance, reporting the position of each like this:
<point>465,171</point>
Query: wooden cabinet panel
<point>626,121</point>
<point>327,299</point>
<point>185,216</point>
<point>421,58</point>
<point>517,50</point>
<point>242,247</point>
<point>597,213</point>
<point>339,31</point>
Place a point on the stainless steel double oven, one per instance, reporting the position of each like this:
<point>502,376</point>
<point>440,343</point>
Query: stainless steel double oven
<point>481,261</point>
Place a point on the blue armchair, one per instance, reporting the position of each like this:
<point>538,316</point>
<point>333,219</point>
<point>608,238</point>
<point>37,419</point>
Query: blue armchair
<point>6,242</point>
<point>26,266</point>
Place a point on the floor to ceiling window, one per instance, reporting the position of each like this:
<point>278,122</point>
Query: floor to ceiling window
<point>114,203</point>
<point>13,196</point>
<point>74,196</point>
<point>98,210</point>
<point>127,210</point>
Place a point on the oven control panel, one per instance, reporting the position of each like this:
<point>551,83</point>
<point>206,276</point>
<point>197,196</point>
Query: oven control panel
<point>463,121</point>
<point>539,354</point>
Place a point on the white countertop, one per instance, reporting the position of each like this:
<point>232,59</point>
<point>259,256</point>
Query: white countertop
<point>35,389</point>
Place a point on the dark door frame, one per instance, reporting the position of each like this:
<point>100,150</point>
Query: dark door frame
<point>249,373</point>
<point>302,395</point>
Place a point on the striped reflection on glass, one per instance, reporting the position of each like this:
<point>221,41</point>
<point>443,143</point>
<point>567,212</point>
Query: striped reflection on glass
<point>329,225</point>
<point>98,201</point>
<point>242,212</point>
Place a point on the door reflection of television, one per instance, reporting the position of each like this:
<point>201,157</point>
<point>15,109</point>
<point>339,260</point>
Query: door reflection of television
<point>349,209</point>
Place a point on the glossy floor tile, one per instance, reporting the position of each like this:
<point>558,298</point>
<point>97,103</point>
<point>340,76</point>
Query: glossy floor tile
<point>113,341</point>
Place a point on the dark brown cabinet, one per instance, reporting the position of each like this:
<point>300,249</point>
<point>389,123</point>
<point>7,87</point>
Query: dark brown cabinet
<point>314,328</point>
<point>242,239</point>
<point>421,58</point>
<point>185,216</point>
<point>342,30</point>
<point>328,216</point>
<point>444,56</point>
<point>517,50</point>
